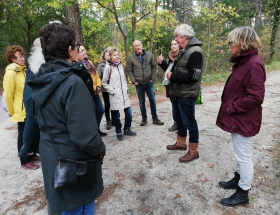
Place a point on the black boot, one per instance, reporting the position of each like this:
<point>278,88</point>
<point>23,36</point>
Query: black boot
<point>231,184</point>
<point>102,134</point>
<point>240,197</point>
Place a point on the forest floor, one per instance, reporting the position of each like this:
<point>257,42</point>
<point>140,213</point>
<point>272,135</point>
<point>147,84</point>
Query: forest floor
<point>142,177</point>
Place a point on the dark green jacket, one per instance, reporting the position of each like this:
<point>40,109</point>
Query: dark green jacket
<point>68,109</point>
<point>190,88</point>
<point>142,72</point>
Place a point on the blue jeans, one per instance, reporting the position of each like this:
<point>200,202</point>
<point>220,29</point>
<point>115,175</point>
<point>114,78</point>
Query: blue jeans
<point>99,109</point>
<point>149,90</point>
<point>183,110</point>
<point>87,209</point>
<point>127,120</point>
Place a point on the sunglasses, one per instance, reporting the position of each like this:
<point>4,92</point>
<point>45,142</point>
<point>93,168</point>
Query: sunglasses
<point>230,43</point>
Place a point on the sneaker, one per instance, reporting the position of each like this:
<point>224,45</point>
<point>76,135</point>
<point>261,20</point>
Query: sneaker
<point>173,127</point>
<point>157,122</point>
<point>30,165</point>
<point>36,158</point>
<point>120,137</point>
<point>102,134</point>
<point>129,132</point>
<point>144,122</point>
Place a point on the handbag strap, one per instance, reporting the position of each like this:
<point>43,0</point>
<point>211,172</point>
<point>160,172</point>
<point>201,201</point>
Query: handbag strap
<point>49,133</point>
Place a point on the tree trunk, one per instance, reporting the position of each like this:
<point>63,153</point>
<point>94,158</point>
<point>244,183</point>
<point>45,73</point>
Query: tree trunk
<point>187,10</point>
<point>154,27</point>
<point>133,21</point>
<point>275,25</point>
<point>73,19</point>
<point>208,39</point>
<point>258,16</point>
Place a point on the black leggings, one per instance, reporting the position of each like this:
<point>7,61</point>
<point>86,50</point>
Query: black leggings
<point>107,105</point>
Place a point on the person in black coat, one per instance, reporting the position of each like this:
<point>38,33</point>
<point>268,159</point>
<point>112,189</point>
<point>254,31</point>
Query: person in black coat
<point>61,96</point>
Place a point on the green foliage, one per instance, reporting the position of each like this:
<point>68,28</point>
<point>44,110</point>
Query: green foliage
<point>275,65</point>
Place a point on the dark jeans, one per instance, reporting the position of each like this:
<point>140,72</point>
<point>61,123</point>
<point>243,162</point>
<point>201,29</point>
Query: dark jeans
<point>127,120</point>
<point>99,109</point>
<point>25,159</point>
<point>107,105</point>
<point>183,110</point>
<point>149,90</point>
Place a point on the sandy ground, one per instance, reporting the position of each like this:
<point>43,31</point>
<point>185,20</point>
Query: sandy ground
<point>142,177</point>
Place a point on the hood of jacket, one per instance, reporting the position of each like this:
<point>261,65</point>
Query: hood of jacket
<point>51,74</point>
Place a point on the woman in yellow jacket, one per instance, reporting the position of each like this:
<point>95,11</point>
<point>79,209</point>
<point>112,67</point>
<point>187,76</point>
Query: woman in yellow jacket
<point>83,57</point>
<point>14,80</point>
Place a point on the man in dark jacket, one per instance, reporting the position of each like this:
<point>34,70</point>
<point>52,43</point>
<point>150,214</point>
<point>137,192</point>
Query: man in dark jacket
<point>141,67</point>
<point>64,108</point>
<point>185,82</point>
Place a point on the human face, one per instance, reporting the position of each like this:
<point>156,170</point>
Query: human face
<point>235,50</point>
<point>82,53</point>
<point>106,56</point>
<point>19,59</point>
<point>115,57</point>
<point>137,46</point>
<point>182,41</point>
<point>174,46</point>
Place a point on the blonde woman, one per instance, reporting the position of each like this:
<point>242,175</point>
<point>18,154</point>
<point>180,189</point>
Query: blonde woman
<point>241,111</point>
<point>114,82</point>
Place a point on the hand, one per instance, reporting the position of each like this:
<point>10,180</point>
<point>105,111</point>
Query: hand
<point>159,59</point>
<point>97,91</point>
<point>135,83</point>
<point>151,81</point>
<point>168,75</point>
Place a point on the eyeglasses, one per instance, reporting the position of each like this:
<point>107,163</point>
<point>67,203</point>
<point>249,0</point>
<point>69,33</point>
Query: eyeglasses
<point>230,43</point>
<point>78,45</point>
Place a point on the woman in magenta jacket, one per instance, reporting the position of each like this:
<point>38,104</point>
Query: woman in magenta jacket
<point>241,111</point>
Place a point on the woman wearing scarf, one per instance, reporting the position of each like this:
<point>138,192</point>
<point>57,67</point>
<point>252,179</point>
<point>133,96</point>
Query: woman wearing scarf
<point>241,111</point>
<point>96,86</point>
<point>167,66</point>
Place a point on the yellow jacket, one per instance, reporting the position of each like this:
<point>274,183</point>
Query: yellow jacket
<point>13,84</point>
<point>96,80</point>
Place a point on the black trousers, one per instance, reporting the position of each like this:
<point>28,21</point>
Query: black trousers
<point>25,159</point>
<point>106,100</point>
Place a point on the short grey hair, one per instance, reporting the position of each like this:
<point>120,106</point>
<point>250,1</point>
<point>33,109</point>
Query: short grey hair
<point>184,30</point>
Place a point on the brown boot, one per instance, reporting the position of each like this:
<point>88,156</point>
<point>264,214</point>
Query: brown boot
<point>179,145</point>
<point>192,153</point>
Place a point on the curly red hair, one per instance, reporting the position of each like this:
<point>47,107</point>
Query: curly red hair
<point>11,51</point>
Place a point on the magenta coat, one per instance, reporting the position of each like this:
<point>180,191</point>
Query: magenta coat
<point>243,95</point>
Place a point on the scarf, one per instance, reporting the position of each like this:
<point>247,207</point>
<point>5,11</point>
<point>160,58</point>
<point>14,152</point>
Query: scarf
<point>89,66</point>
<point>172,55</point>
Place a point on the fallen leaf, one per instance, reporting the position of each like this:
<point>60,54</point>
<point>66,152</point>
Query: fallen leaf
<point>121,177</point>
<point>210,165</point>
<point>206,180</point>
<point>199,176</point>
<point>178,195</point>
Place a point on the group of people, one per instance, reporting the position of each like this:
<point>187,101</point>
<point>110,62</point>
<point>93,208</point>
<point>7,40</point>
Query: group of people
<point>62,93</point>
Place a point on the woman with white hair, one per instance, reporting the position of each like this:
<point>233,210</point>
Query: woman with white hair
<point>31,133</point>
<point>241,111</point>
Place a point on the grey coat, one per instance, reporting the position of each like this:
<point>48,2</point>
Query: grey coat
<point>117,86</point>
<point>69,112</point>
<point>143,72</point>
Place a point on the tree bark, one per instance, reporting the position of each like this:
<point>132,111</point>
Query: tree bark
<point>258,16</point>
<point>73,19</point>
<point>154,26</point>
